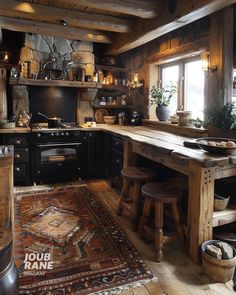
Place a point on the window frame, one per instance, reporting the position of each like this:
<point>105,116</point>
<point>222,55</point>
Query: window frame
<point>181,99</point>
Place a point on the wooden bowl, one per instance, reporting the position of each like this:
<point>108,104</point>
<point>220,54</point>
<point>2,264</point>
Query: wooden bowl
<point>220,203</point>
<point>109,119</point>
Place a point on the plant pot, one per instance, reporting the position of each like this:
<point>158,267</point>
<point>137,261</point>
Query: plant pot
<point>163,113</point>
<point>184,118</point>
<point>220,270</point>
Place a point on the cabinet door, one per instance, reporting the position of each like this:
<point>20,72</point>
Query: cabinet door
<point>92,146</point>
<point>21,156</point>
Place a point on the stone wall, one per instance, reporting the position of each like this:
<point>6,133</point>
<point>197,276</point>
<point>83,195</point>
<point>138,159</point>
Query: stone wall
<point>39,48</point>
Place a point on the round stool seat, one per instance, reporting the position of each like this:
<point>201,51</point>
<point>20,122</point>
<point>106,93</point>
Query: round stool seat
<point>137,173</point>
<point>162,191</point>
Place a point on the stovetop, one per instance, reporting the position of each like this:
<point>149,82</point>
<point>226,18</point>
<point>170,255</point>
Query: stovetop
<point>43,127</point>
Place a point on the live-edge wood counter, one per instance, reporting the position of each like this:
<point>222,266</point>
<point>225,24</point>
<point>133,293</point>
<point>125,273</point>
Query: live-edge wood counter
<point>201,168</point>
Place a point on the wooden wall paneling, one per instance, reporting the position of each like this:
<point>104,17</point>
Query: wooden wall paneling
<point>228,40</point>
<point>221,55</point>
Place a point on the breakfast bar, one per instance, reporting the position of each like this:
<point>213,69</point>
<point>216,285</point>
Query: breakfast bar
<point>201,168</point>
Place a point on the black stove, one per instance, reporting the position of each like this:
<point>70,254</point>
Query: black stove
<point>56,153</point>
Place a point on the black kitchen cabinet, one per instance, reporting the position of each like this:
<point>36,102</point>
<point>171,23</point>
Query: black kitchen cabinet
<point>116,161</point>
<point>92,144</point>
<point>21,145</point>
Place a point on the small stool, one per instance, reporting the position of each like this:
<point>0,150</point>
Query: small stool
<point>160,194</point>
<point>138,176</point>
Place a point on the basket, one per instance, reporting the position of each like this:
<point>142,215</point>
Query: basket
<point>220,270</point>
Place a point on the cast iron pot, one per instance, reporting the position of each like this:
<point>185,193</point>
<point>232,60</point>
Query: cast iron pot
<point>53,122</point>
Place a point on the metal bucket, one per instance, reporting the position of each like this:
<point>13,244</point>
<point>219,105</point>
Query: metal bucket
<point>8,271</point>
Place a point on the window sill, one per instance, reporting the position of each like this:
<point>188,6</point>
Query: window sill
<point>173,128</point>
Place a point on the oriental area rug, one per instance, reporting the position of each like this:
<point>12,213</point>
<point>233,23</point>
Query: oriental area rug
<point>67,242</point>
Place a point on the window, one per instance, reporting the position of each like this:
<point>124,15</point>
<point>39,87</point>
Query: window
<point>234,87</point>
<point>188,76</point>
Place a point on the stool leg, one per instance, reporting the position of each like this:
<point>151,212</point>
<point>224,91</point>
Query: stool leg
<point>179,227</point>
<point>136,204</point>
<point>124,193</point>
<point>144,219</point>
<point>158,230</point>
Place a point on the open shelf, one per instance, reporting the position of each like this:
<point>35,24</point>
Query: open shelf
<point>115,106</point>
<point>225,216</point>
<point>42,82</point>
<point>111,68</point>
<point>113,87</point>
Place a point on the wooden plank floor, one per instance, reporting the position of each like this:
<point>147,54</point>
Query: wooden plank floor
<point>176,274</point>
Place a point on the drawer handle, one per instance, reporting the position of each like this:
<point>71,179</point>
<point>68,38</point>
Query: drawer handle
<point>18,141</point>
<point>17,169</point>
<point>17,156</point>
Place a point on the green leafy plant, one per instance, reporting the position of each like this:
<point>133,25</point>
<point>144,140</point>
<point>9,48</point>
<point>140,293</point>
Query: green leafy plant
<point>161,96</point>
<point>223,115</point>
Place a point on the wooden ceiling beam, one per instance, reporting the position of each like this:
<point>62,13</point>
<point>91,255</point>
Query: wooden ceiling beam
<point>148,30</point>
<point>43,28</point>
<point>143,9</point>
<point>26,10</point>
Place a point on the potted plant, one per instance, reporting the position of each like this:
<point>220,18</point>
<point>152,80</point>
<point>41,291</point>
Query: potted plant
<point>222,118</point>
<point>161,97</point>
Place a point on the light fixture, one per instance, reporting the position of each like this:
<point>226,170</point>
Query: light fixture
<point>4,56</point>
<point>63,23</point>
<point>205,57</point>
<point>135,82</point>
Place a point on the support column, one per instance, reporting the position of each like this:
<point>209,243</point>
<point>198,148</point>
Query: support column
<point>200,208</point>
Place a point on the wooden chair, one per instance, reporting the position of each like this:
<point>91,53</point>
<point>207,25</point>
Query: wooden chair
<point>160,194</point>
<point>136,176</point>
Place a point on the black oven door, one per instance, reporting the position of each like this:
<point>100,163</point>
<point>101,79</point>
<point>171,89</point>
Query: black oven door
<point>56,161</point>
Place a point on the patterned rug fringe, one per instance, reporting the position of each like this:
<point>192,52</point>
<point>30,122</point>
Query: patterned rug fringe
<point>123,288</point>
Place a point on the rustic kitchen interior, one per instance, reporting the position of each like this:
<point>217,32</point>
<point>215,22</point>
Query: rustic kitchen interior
<point>118,147</point>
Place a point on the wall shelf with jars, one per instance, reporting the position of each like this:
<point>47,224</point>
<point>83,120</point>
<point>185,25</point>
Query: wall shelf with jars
<point>112,88</point>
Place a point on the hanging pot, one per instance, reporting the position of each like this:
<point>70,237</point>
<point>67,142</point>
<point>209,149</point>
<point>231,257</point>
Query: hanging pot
<point>163,113</point>
<point>53,122</point>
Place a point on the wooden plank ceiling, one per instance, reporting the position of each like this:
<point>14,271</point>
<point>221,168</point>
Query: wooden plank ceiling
<point>123,24</point>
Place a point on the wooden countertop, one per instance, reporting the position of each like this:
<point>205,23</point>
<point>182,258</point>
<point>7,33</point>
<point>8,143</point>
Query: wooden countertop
<point>15,130</point>
<point>167,143</point>
<point>163,142</point>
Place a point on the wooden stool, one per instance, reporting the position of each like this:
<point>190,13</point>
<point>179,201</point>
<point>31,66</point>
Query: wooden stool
<point>160,194</point>
<point>138,176</point>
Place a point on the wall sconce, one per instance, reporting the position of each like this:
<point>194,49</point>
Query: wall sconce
<point>205,57</point>
<point>4,56</point>
<point>135,82</point>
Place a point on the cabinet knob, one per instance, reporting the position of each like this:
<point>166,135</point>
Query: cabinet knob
<point>18,141</point>
<point>117,160</point>
<point>17,156</point>
<point>17,169</point>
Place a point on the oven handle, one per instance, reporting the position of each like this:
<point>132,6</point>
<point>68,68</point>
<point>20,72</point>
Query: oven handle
<point>59,144</point>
